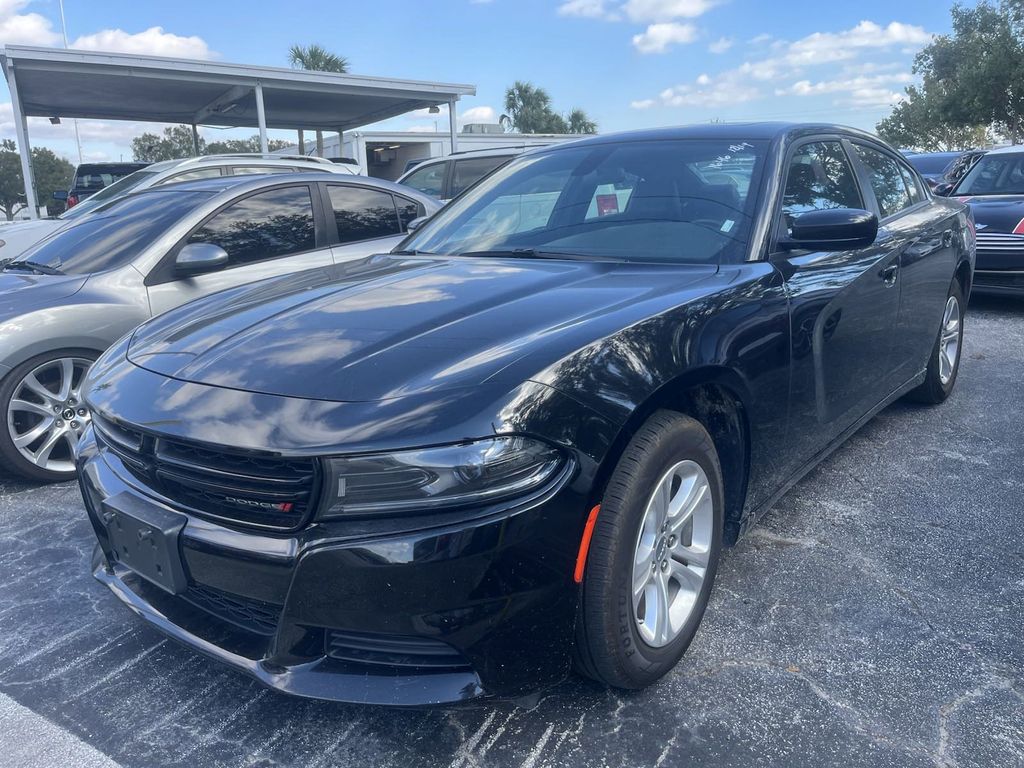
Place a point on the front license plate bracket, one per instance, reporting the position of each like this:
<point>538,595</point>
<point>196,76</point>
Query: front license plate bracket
<point>144,538</point>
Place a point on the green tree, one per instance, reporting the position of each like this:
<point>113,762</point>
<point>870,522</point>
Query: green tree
<point>580,122</point>
<point>316,58</point>
<point>176,142</point>
<point>919,123</point>
<point>976,74</point>
<point>51,173</point>
<point>242,146</point>
<point>528,110</point>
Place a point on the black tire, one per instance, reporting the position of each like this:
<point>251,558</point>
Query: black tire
<point>932,390</point>
<point>609,647</point>
<point>10,457</point>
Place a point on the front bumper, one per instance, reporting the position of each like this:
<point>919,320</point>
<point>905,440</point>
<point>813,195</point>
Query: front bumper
<point>483,608</point>
<point>999,281</point>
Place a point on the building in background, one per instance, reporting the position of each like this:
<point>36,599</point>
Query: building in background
<point>388,154</point>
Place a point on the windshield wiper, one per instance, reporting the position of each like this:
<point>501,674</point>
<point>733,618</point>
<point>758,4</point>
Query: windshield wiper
<point>412,253</point>
<point>534,253</point>
<point>32,266</point>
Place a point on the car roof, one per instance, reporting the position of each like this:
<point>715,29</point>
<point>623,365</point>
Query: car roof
<point>723,131</point>
<point>241,184</point>
<point>1012,150</point>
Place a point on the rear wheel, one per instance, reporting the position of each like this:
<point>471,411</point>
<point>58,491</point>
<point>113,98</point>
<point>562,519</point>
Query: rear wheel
<point>653,555</point>
<point>41,399</point>
<point>944,363</point>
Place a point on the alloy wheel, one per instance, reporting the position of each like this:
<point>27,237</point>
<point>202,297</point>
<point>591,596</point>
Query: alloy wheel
<point>673,550</point>
<point>949,341</point>
<point>46,416</point>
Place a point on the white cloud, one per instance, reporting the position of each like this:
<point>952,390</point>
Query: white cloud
<point>153,41</point>
<point>761,39</point>
<point>858,84</point>
<point>479,115</point>
<point>588,9</point>
<point>835,46</point>
<point>24,28</point>
<point>666,10</point>
<point>850,85</point>
<point>658,38</point>
<point>721,45</point>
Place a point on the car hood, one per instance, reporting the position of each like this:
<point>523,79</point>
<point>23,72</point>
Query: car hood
<point>389,327</point>
<point>996,214</point>
<point>20,291</point>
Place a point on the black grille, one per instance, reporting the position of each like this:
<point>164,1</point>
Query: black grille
<point>248,489</point>
<point>252,615</point>
<point>393,651</point>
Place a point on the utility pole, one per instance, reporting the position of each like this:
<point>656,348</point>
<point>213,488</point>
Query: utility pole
<point>64,31</point>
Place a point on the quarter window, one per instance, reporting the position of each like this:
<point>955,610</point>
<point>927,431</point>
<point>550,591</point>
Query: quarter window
<point>363,214</point>
<point>819,178</point>
<point>886,180</point>
<point>469,171</point>
<point>429,180</point>
<point>262,226</point>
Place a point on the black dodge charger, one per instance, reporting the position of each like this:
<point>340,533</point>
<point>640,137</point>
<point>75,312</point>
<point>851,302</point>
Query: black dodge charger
<point>994,189</point>
<point>520,442</point>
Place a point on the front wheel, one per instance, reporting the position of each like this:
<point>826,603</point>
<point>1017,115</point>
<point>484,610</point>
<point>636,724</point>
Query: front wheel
<point>944,363</point>
<point>653,555</point>
<point>42,401</point>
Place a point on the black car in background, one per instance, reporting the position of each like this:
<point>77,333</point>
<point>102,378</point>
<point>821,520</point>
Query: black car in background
<point>943,169</point>
<point>994,189</point>
<point>90,178</point>
<point>521,440</point>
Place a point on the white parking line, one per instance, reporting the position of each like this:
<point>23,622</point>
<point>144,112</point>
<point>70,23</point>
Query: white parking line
<point>28,740</point>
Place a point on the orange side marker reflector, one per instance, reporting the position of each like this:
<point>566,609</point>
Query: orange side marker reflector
<point>588,532</point>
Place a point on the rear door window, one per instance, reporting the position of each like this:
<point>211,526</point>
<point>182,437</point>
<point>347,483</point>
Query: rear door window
<point>470,170</point>
<point>267,225</point>
<point>199,173</point>
<point>429,179</point>
<point>886,181</point>
<point>363,214</point>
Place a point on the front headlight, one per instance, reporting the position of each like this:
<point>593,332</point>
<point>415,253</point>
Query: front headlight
<point>425,479</point>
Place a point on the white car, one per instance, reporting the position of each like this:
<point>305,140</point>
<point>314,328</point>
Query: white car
<point>445,177</point>
<point>17,238</point>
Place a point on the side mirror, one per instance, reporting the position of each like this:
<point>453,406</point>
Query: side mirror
<point>416,223</point>
<point>195,258</point>
<point>834,229</point>
<point>61,194</point>
<point>943,189</point>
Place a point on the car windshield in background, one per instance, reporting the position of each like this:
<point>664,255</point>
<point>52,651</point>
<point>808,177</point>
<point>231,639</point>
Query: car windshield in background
<point>112,236</point>
<point>665,201</point>
<point>995,174</point>
<point>120,187</point>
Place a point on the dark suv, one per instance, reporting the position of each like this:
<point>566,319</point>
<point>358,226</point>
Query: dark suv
<point>90,178</point>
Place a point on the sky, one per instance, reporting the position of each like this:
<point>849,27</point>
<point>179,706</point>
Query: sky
<point>628,63</point>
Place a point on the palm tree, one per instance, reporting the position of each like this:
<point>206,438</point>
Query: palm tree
<point>316,58</point>
<point>579,122</point>
<point>527,109</point>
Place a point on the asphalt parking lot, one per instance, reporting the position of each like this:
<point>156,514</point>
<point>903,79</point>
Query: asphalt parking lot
<point>875,618</point>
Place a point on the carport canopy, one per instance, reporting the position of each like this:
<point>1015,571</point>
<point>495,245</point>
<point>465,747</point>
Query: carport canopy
<point>58,83</point>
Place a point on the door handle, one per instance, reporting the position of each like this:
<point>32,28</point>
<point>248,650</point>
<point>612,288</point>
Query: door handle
<point>890,273</point>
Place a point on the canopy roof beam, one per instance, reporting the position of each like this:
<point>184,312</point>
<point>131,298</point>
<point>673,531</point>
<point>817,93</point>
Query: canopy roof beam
<point>222,103</point>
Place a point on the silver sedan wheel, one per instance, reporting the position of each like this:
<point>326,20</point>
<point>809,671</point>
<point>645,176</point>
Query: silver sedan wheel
<point>673,550</point>
<point>949,341</point>
<point>46,416</point>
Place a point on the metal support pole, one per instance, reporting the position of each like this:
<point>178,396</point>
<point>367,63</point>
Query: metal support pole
<point>453,125</point>
<point>341,142</point>
<point>302,142</point>
<point>24,148</point>
<point>195,140</point>
<point>261,117</point>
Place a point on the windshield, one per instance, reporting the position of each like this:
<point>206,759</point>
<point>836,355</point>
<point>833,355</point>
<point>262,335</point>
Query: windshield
<point>120,187</point>
<point>995,175</point>
<point>112,236</point>
<point>688,200</point>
